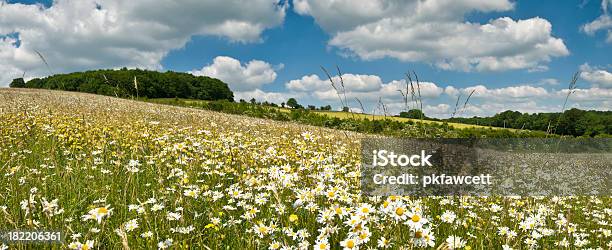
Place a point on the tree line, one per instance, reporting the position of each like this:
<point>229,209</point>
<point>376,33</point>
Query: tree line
<point>134,83</point>
<point>573,122</point>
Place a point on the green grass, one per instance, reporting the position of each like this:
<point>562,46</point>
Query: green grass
<point>78,148</point>
<point>345,115</point>
<point>342,115</point>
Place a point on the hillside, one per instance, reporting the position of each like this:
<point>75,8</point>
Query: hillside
<point>117,173</point>
<point>341,114</point>
<point>371,124</point>
<point>344,115</point>
<point>92,107</point>
<point>134,83</point>
<point>197,90</point>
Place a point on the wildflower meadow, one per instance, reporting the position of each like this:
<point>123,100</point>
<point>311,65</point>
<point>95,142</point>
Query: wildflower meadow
<point>112,173</point>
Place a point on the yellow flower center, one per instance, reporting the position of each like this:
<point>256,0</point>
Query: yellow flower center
<point>399,211</point>
<point>363,235</point>
<point>102,210</point>
<point>350,244</point>
<point>415,218</point>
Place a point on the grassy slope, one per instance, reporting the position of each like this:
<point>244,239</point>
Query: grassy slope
<point>340,114</point>
<point>49,139</point>
<point>346,115</point>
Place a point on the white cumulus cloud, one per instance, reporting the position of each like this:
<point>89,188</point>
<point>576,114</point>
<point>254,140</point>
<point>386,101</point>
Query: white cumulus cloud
<point>361,92</point>
<point>597,77</point>
<point>366,88</point>
<point>261,96</point>
<point>356,83</point>
<point>438,110</point>
<point>240,77</point>
<point>82,34</point>
<point>516,93</point>
<point>587,95</point>
<point>434,31</point>
<point>602,23</point>
<point>440,101</point>
<point>531,99</point>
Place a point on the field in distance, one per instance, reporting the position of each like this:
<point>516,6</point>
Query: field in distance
<point>347,115</point>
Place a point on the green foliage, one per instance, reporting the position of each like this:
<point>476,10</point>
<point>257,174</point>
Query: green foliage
<point>573,122</point>
<point>17,83</point>
<point>390,127</point>
<point>292,103</point>
<point>326,107</point>
<point>150,84</point>
<point>413,113</point>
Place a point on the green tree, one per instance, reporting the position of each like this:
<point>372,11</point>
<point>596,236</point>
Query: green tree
<point>326,107</point>
<point>292,103</point>
<point>413,113</point>
<point>18,83</point>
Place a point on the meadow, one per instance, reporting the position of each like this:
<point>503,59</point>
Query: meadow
<point>338,114</point>
<point>341,115</point>
<point>119,174</point>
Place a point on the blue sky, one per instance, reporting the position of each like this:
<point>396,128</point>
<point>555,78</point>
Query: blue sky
<point>260,49</point>
<point>301,45</point>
